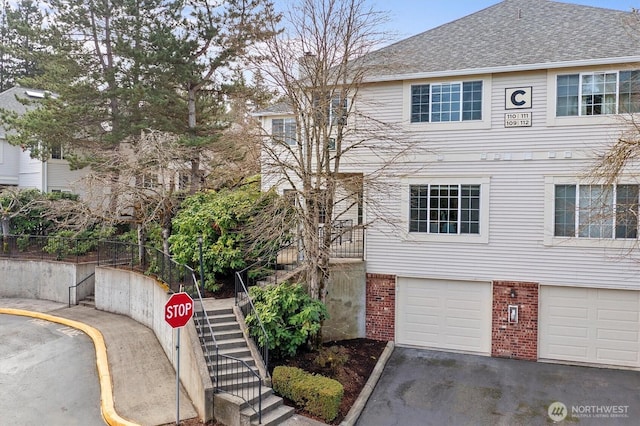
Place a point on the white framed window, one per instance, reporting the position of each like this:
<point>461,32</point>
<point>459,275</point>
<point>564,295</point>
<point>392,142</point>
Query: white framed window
<point>596,211</point>
<point>446,102</point>
<point>598,93</point>
<point>447,209</point>
<point>57,152</point>
<point>283,130</point>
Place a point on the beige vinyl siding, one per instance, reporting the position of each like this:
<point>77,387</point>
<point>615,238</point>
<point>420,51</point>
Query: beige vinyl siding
<point>515,249</point>
<point>61,177</point>
<point>9,163</point>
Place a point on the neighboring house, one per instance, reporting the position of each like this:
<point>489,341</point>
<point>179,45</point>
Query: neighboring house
<point>496,242</point>
<point>18,169</point>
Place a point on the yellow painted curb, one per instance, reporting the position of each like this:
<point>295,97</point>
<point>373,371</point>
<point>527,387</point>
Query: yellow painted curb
<point>106,392</point>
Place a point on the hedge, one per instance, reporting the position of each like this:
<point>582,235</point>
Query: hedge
<point>318,395</point>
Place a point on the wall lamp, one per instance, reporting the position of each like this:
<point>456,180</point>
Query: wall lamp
<point>513,293</point>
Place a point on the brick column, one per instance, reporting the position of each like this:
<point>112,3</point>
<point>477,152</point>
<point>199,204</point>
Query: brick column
<point>515,340</point>
<point>380,318</point>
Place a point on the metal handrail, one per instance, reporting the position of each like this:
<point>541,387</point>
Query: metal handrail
<point>246,306</point>
<point>213,365</point>
<point>76,288</point>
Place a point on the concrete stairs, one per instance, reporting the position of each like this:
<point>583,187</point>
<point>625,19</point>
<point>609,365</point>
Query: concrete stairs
<point>89,301</point>
<point>233,376</point>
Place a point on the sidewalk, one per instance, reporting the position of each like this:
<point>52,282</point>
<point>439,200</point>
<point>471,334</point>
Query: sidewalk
<point>144,382</point>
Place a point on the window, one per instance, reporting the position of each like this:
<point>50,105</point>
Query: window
<point>150,181</point>
<point>338,111</point>
<point>444,209</point>
<point>598,93</point>
<point>56,152</point>
<point>284,130</point>
<point>596,211</point>
<point>446,102</point>
<point>330,110</point>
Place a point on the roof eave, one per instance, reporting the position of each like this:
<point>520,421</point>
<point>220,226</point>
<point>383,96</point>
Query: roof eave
<point>503,69</point>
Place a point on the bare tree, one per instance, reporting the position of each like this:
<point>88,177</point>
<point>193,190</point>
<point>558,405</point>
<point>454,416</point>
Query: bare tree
<point>317,64</point>
<point>150,177</point>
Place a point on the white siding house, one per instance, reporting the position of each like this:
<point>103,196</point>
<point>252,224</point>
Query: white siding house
<point>17,168</point>
<point>495,240</point>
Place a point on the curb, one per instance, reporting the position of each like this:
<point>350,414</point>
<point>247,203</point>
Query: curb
<point>367,390</point>
<point>106,392</point>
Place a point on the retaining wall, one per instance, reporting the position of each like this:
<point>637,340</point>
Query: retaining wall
<point>142,298</point>
<point>35,279</point>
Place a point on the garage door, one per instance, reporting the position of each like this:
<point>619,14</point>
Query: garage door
<point>590,325</point>
<point>452,315</point>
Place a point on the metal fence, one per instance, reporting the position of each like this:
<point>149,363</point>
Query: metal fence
<point>54,248</point>
<point>147,260</point>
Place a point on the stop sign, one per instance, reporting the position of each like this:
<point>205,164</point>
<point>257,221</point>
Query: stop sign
<point>178,310</point>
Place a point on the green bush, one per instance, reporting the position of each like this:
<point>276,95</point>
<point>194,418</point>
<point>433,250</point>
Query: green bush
<point>289,315</point>
<point>318,395</point>
<point>333,357</point>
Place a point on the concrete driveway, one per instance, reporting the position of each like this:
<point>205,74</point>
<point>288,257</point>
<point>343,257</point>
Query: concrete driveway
<point>421,387</point>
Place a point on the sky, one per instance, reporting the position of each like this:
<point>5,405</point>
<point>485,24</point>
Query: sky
<point>410,17</point>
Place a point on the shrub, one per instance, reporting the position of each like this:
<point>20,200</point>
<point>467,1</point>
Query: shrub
<point>318,395</point>
<point>333,357</point>
<point>289,315</point>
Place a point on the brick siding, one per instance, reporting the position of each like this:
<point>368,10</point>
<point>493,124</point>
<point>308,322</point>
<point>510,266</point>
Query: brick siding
<point>520,340</point>
<point>380,317</point>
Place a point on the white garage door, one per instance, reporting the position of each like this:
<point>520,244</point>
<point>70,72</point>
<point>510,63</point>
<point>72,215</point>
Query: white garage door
<point>590,325</point>
<point>452,315</point>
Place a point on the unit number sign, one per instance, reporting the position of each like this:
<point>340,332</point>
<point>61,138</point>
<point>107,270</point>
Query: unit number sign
<point>517,119</point>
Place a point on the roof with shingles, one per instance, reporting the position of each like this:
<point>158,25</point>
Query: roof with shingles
<point>511,33</point>
<point>9,101</point>
<point>9,98</point>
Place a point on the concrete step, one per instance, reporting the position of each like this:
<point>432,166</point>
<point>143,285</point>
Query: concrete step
<point>236,371</point>
<point>229,333</point>
<point>221,326</point>
<point>89,303</point>
<point>233,385</point>
<point>273,416</point>
<point>232,343</point>
<point>269,403</point>
<point>216,312</point>
<point>248,360</point>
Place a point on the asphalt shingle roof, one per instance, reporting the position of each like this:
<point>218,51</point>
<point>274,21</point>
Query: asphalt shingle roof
<point>9,102</point>
<point>513,32</point>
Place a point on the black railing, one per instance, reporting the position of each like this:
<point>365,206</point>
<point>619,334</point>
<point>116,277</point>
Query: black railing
<point>347,241</point>
<point>229,374</point>
<point>53,248</point>
<point>243,301</point>
<point>84,282</point>
<point>147,260</point>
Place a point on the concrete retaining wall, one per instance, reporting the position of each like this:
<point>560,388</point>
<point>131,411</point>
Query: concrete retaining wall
<point>142,298</point>
<point>346,301</point>
<point>34,279</point>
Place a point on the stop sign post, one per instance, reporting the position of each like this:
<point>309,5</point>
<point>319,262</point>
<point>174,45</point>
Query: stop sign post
<point>177,312</point>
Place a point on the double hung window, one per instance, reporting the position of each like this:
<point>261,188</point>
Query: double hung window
<point>596,211</point>
<point>446,102</point>
<point>283,130</point>
<point>598,93</point>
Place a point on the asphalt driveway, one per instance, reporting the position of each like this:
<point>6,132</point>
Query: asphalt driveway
<point>47,374</point>
<point>421,387</point>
